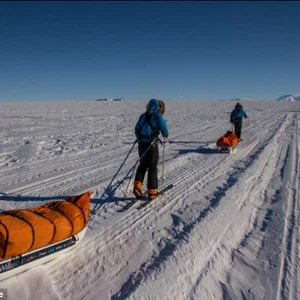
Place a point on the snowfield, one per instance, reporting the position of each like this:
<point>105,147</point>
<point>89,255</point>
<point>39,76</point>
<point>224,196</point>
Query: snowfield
<point>229,229</point>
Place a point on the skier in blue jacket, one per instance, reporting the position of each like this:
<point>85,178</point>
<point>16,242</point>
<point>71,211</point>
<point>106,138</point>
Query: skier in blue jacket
<point>147,129</point>
<point>236,118</point>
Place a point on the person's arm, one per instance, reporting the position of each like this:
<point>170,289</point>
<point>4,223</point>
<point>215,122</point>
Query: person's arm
<point>245,114</point>
<point>163,127</point>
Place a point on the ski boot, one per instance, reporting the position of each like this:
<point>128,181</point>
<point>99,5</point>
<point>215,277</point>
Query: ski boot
<point>137,190</point>
<point>152,194</point>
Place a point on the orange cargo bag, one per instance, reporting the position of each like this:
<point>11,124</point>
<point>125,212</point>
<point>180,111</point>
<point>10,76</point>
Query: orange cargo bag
<point>23,230</point>
<point>228,140</point>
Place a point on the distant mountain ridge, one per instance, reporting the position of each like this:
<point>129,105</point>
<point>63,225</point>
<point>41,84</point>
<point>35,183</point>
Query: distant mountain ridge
<point>290,97</point>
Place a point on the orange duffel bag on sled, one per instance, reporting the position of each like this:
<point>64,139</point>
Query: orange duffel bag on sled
<point>23,230</point>
<point>228,140</point>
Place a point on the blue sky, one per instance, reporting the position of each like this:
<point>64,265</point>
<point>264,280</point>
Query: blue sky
<point>139,50</point>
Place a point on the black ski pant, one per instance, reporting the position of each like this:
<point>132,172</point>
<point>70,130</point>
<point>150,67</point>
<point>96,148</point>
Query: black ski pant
<point>238,128</point>
<point>148,162</point>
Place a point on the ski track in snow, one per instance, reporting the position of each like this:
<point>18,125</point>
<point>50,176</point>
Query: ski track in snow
<point>229,229</point>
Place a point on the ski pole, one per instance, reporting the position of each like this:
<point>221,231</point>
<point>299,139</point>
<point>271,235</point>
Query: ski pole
<point>116,174</point>
<point>98,206</point>
<point>128,183</point>
<point>132,169</point>
<point>163,164</point>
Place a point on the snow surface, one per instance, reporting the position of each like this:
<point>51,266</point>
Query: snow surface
<point>229,229</point>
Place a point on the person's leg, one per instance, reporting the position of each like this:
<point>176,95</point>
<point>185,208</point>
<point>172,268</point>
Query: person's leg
<point>141,171</point>
<point>240,130</point>
<point>152,184</point>
<point>237,129</point>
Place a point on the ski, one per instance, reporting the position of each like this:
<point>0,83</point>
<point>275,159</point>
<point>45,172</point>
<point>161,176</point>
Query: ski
<point>224,149</point>
<point>130,204</point>
<point>161,192</point>
<point>146,202</point>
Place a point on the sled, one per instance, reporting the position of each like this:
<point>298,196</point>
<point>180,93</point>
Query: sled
<point>33,236</point>
<point>227,142</point>
<point>225,149</point>
<point>31,259</point>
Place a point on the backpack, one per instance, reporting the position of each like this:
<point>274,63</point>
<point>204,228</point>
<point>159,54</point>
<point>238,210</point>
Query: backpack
<point>154,133</point>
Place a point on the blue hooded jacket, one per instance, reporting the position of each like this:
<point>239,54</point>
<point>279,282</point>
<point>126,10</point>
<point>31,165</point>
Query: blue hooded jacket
<point>237,114</point>
<point>151,123</point>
